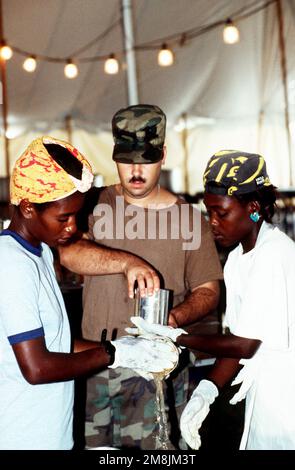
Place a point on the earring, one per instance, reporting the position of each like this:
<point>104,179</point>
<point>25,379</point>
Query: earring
<point>255,216</point>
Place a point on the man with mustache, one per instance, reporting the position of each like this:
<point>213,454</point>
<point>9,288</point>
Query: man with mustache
<point>138,216</point>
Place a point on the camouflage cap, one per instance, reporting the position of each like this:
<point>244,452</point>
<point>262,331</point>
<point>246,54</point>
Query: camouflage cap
<point>139,134</point>
<point>231,172</point>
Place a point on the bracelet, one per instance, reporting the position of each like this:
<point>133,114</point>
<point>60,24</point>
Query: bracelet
<point>110,349</point>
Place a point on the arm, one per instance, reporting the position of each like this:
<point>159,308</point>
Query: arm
<point>38,365</point>
<point>231,346</point>
<point>87,258</point>
<point>223,371</point>
<point>83,344</point>
<point>202,300</point>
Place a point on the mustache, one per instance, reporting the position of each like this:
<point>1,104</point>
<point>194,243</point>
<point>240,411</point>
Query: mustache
<point>136,179</point>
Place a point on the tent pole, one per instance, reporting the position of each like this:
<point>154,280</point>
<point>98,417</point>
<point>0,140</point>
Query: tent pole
<point>185,153</point>
<point>129,52</point>
<point>68,126</point>
<point>282,48</point>
<point>4,98</point>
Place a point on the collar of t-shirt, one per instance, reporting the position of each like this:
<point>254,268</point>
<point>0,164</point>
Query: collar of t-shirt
<point>36,250</point>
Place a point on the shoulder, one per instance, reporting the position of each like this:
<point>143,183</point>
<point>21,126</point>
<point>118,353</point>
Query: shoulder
<point>10,250</point>
<point>276,245</point>
<point>280,237</point>
<point>165,197</point>
<point>16,261</point>
<point>197,219</point>
<point>108,195</point>
<point>190,207</point>
<point>97,195</point>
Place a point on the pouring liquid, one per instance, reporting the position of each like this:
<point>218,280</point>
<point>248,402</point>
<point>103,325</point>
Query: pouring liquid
<point>162,438</point>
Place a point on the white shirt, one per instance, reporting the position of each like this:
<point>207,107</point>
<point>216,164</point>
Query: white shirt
<point>260,289</point>
<point>31,305</point>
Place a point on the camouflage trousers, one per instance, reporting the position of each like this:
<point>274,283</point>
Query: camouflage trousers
<point>121,409</point>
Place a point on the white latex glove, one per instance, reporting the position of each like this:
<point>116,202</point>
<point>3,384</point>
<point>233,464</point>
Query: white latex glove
<point>246,377</point>
<point>144,354</point>
<point>151,329</point>
<point>145,375</point>
<point>196,411</point>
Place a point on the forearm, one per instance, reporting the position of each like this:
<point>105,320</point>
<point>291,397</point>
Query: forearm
<point>83,345</point>
<point>77,364</point>
<point>197,305</point>
<point>223,371</point>
<point>56,367</point>
<point>230,346</point>
<point>87,258</point>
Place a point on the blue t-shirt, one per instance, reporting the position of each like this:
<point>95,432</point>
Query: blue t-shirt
<point>31,305</point>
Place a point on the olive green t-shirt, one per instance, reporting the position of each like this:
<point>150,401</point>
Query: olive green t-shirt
<point>175,240</point>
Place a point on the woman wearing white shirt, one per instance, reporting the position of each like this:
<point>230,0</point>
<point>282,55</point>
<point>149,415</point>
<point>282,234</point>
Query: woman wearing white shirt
<point>260,312</point>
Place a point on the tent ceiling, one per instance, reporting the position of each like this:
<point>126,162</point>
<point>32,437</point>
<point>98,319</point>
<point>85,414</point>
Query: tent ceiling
<point>229,96</point>
<point>209,79</point>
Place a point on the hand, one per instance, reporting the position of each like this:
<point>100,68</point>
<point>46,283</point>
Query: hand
<point>146,277</point>
<point>145,328</point>
<point>144,354</point>
<point>246,377</point>
<point>196,411</point>
<point>172,320</point>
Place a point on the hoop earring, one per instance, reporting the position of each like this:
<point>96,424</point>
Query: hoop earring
<point>255,216</point>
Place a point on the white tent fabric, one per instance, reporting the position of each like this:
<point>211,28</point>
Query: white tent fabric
<point>225,96</point>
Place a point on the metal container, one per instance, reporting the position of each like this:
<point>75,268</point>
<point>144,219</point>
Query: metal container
<point>153,308</point>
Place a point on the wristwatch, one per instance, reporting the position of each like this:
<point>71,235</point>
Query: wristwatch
<point>110,349</point>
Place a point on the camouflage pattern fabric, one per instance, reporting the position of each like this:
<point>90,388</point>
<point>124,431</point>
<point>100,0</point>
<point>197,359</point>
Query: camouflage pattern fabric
<point>139,134</point>
<point>231,172</point>
<point>121,409</point>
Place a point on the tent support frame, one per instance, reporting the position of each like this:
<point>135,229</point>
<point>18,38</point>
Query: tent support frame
<point>132,85</point>
<point>4,97</point>
<point>282,48</point>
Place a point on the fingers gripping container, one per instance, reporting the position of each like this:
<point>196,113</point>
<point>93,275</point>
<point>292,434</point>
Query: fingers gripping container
<point>153,308</point>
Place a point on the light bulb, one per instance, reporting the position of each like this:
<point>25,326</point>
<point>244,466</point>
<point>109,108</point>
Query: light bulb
<point>30,64</point>
<point>165,57</point>
<point>231,33</point>
<point>111,65</point>
<point>71,70</point>
<point>6,52</point>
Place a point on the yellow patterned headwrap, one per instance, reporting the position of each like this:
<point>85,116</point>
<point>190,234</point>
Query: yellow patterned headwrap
<point>38,178</point>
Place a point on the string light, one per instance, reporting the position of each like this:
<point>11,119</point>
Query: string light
<point>231,33</point>
<point>71,69</point>
<point>5,51</point>
<point>111,65</point>
<point>30,64</point>
<point>165,56</point>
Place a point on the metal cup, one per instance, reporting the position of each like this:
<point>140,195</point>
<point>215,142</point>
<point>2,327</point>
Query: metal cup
<point>153,308</point>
